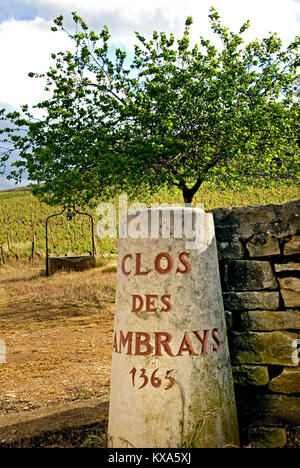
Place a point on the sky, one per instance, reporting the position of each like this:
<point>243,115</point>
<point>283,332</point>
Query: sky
<point>26,41</point>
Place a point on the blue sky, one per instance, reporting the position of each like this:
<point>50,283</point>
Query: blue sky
<point>26,41</point>
<point>16,9</point>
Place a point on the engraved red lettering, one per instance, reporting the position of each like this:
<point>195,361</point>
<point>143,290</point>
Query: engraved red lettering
<point>124,271</point>
<point>126,340</point>
<point>187,266</point>
<point>163,339</point>
<point>138,270</point>
<point>217,348</point>
<point>155,381</point>
<point>186,345</point>
<point>145,342</point>
<point>157,263</point>
<point>144,376</point>
<point>133,372</point>
<point>150,304</point>
<point>203,341</point>
<point>137,303</point>
<point>170,378</point>
<point>166,301</point>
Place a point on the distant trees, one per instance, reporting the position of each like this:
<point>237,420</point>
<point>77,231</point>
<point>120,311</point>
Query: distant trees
<point>179,115</point>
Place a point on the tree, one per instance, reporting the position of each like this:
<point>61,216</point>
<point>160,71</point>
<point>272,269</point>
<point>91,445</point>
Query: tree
<point>179,115</point>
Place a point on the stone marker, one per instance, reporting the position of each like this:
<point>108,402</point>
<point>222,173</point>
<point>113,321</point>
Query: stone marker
<point>171,383</point>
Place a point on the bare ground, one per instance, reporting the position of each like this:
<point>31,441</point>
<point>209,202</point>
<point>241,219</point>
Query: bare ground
<point>58,334</point>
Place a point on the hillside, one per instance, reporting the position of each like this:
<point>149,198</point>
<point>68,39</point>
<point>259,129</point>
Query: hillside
<point>23,219</point>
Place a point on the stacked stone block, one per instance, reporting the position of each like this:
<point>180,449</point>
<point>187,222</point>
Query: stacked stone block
<point>259,256</point>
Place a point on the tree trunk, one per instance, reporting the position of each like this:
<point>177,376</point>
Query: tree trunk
<point>189,193</point>
<point>188,198</point>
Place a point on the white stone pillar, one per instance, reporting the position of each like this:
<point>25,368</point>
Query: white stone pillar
<point>171,382</point>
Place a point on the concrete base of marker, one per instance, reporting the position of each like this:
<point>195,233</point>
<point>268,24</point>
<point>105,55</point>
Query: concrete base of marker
<point>171,383</point>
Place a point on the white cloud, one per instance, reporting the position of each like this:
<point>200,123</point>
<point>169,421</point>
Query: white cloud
<point>26,45</point>
<point>265,15</point>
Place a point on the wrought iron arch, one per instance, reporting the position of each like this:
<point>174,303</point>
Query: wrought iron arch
<point>69,217</point>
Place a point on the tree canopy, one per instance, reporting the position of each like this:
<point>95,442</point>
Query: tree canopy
<point>178,115</point>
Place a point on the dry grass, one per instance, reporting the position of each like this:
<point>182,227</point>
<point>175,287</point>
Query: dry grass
<point>31,297</point>
<point>58,334</point>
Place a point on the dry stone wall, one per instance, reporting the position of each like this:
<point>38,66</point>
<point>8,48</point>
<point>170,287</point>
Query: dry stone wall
<point>259,257</point>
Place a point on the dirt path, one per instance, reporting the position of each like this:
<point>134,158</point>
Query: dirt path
<point>58,334</point>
